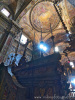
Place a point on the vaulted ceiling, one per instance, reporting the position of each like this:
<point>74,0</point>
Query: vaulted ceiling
<point>35,16</point>
<point>38,16</point>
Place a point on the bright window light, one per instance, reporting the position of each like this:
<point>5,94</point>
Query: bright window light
<point>23,39</point>
<point>56,49</point>
<point>72,64</point>
<point>5,12</point>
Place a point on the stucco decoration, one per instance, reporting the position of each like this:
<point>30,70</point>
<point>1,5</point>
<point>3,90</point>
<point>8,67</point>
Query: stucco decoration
<point>42,15</point>
<point>71,13</point>
<point>68,15</point>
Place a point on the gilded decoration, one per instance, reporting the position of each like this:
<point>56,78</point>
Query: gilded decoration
<point>69,15</point>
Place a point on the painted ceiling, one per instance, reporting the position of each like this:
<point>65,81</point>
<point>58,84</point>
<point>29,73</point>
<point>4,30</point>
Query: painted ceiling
<point>42,15</point>
<point>37,16</point>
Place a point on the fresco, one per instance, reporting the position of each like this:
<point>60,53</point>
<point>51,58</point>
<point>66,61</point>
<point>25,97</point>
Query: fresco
<point>42,15</point>
<point>26,9</point>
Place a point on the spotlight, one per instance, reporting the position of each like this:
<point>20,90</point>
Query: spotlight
<point>72,64</point>
<point>56,49</point>
<point>70,32</point>
<point>42,46</point>
<point>73,81</point>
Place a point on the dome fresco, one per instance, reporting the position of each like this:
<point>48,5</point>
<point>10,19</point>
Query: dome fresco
<point>42,15</point>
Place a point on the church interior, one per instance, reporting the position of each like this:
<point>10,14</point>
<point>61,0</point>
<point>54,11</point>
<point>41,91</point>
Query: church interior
<point>37,50</point>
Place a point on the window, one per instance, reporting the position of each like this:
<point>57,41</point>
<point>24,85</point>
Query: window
<point>23,39</point>
<point>5,12</point>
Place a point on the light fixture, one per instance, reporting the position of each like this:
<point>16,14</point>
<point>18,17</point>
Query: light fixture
<point>23,39</point>
<point>42,46</point>
<point>72,64</point>
<point>69,32</point>
<point>73,81</point>
<point>56,49</point>
<point>5,12</point>
<point>74,90</point>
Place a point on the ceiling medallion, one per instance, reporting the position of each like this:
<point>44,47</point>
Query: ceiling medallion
<point>42,15</point>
